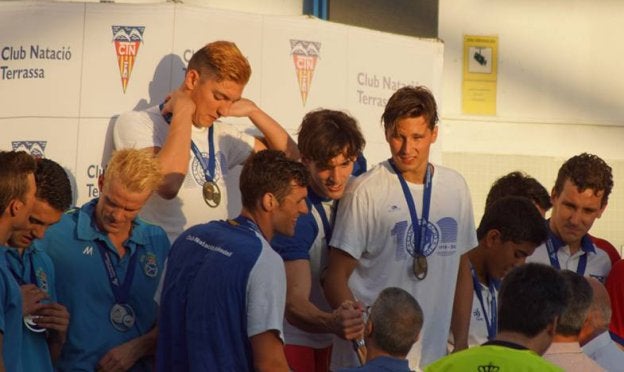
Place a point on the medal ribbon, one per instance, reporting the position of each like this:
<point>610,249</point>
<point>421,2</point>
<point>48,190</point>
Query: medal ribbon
<point>553,244</point>
<point>491,321</point>
<point>248,223</point>
<point>19,278</point>
<point>121,291</point>
<point>316,202</point>
<point>210,167</point>
<point>418,227</point>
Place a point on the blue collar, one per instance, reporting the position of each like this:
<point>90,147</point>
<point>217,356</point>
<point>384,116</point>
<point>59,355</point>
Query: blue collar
<point>389,363</point>
<point>316,198</point>
<point>587,245</point>
<point>88,230</point>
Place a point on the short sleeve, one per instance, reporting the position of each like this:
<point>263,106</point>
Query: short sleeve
<point>266,295</point>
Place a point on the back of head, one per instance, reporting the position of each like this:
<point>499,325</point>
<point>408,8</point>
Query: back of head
<point>137,170</point>
<point>530,298</point>
<point>410,102</point>
<point>586,171</point>
<point>269,171</point>
<point>15,166</point>
<point>397,320</point>
<point>325,134</point>
<point>519,184</point>
<point>516,218</point>
<point>53,185</point>
<point>579,301</point>
<point>221,60</point>
<point>600,309</point>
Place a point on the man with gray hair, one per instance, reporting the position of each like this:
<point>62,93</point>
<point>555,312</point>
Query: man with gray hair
<point>565,350</point>
<point>594,337</point>
<point>392,328</point>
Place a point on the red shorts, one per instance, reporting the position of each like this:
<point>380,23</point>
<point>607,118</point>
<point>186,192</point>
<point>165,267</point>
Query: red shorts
<point>307,359</point>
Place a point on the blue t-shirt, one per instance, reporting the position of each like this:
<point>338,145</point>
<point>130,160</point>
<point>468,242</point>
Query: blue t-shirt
<point>223,285</point>
<point>34,267</point>
<point>381,363</point>
<point>83,286</point>
<point>10,316</point>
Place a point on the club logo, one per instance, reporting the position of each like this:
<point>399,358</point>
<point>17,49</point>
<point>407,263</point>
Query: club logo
<point>34,148</point>
<point>150,265</point>
<point>305,56</point>
<point>127,40</point>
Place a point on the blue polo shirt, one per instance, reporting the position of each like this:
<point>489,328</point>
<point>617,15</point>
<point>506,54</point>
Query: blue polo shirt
<point>381,363</point>
<point>10,316</point>
<point>34,267</point>
<point>224,284</point>
<point>83,285</point>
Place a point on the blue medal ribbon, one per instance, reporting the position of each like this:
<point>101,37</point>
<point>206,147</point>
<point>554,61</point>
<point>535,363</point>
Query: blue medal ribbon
<point>418,227</point>
<point>19,278</point>
<point>491,321</point>
<point>553,244</point>
<point>246,222</point>
<point>317,203</point>
<point>210,167</point>
<point>121,291</point>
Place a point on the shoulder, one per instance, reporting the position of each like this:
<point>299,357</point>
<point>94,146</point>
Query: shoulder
<point>376,178</point>
<point>151,114</point>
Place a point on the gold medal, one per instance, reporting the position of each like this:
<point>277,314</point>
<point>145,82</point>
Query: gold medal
<point>212,194</point>
<point>419,266</point>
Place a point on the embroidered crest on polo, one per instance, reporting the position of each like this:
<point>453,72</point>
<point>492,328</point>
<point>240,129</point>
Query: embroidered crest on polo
<point>150,265</point>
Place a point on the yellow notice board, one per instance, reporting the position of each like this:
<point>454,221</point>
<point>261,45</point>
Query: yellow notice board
<point>480,75</point>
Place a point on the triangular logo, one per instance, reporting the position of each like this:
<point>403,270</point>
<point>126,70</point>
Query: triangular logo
<point>127,40</point>
<point>305,56</point>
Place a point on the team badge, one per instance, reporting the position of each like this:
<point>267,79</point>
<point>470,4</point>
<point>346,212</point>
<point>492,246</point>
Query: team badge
<point>42,278</point>
<point>150,266</point>
<point>34,148</point>
<point>127,40</point>
<point>305,56</point>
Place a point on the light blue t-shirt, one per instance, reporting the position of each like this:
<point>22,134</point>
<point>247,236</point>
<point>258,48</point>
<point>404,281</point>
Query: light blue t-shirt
<point>10,316</point>
<point>83,286</point>
<point>35,267</point>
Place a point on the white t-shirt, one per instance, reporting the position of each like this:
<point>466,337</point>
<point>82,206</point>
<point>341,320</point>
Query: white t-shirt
<point>140,129</point>
<point>598,262</point>
<point>477,331</point>
<point>373,225</point>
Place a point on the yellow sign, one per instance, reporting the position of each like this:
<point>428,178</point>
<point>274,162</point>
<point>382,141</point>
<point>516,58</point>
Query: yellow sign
<point>480,75</point>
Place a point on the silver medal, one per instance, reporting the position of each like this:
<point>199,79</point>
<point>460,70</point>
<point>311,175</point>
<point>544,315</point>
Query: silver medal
<point>29,322</point>
<point>122,317</point>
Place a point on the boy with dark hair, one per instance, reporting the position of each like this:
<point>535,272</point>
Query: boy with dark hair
<point>579,197</point>
<point>17,196</point>
<point>223,297</point>
<point>520,184</point>
<point>509,232</point>
<point>404,223</point>
<point>532,298</point>
<point>45,320</point>
<point>329,142</point>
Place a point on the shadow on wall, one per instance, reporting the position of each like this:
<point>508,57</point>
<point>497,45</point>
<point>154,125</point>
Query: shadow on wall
<point>169,74</point>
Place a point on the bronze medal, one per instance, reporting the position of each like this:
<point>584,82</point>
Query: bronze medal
<point>212,194</point>
<point>419,266</point>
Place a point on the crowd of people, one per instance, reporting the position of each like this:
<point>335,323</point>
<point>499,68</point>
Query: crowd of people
<point>321,270</point>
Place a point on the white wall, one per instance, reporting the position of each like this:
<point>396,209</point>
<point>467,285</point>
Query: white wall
<point>559,93</point>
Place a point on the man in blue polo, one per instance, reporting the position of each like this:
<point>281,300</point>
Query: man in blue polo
<point>329,142</point>
<point>17,196</point>
<point>223,297</point>
<point>34,272</point>
<point>108,263</point>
